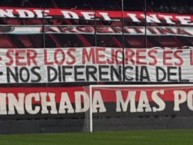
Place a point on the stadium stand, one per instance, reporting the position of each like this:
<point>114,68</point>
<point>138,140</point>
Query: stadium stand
<point>136,25</point>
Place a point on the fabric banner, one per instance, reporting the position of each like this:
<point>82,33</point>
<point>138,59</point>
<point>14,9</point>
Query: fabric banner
<point>99,30</point>
<point>95,64</point>
<point>158,65</point>
<point>37,101</point>
<point>145,98</point>
<point>138,17</point>
<point>105,99</point>
<point>61,65</point>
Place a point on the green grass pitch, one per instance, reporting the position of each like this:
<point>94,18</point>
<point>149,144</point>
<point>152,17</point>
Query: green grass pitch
<point>155,137</point>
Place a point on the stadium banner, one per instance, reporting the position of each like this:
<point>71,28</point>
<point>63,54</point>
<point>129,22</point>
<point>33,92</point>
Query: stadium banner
<point>42,100</point>
<point>95,64</point>
<point>99,30</point>
<point>144,98</point>
<point>138,17</point>
<point>105,100</point>
<point>158,65</point>
<point>60,65</point>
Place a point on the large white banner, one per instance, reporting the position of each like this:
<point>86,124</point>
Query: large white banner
<point>158,65</point>
<point>96,64</point>
<point>60,65</point>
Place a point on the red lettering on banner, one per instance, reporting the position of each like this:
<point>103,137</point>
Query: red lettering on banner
<point>141,57</point>
<point>87,29</point>
<point>167,58</point>
<point>67,29</point>
<point>117,56</point>
<point>32,56</point>
<point>88,55</point>
<point>114,30</point>
<point>51,29</point>
<point>70,53</point>
<point>177,55</point>
<point>172,58</point>
<point>165,30</point>
<point>21,57</point>
<point>138,30</point>
<point>9,56</point>
<point>100,56</point>
<point>46,61</point>
<point>182,31</point>
<point>129,56</point>
<point>104,30</point>
<point>191,57</point>
<point>59,56</point>
<point>151,30</point>
<point>152,54</point>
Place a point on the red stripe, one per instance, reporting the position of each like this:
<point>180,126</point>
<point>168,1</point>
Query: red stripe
<point>108,94</point>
